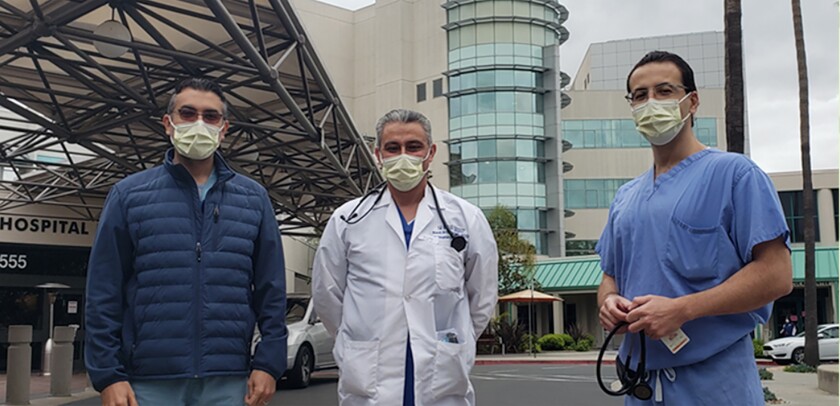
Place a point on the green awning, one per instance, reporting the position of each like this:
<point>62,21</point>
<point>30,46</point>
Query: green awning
<point>569,273</point>
<point>825,264</point>
<point>584,273</point>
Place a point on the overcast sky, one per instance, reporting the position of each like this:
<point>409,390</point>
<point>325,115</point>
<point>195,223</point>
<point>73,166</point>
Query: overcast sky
<point>769,59</point>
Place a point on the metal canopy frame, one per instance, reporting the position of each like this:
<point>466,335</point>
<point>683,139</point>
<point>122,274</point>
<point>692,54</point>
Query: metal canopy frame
<point>288,128</point>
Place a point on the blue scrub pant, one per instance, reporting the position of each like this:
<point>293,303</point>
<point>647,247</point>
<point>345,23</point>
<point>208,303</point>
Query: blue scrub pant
<point>408,388</point>
<point>727,378</point>
<point>211,391</point>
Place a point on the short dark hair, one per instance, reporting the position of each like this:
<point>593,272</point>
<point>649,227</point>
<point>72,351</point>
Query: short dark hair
<point>201,84</point>
<point>664,56</point>
<point>403,116</point>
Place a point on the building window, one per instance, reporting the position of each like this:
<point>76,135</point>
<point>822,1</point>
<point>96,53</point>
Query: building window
<point>21,306</point>
<point>580,247</point>
<point>437,88</point>
<point>621,133</point>
<point>795,214</point>
<point>590,193</point>
<point>421,92</point>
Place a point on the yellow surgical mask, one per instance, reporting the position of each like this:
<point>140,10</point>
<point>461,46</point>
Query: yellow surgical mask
<point>197,140</point>
<point>659,121</point>
<point>403,172</point>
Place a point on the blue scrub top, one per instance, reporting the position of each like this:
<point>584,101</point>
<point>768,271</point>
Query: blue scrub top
<point>687,231</point>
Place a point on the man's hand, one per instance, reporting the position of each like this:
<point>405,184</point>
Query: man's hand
<point>261,387</point>
<point>614,311</point>
<point>658,316</point>
<point>118,394</point>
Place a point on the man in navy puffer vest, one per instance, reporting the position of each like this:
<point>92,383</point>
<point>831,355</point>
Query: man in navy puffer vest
<point>187,258</point>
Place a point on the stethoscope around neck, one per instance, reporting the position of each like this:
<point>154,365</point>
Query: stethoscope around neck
<point>458,242</point>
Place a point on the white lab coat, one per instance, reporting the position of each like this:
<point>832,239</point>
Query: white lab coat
<point>371,292</point>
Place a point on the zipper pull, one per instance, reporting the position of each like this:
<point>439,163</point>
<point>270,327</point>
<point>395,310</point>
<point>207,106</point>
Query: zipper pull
<point>198,251</point>
<point>216,214</point>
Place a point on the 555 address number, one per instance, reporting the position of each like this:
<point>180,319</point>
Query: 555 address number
<point>13,261</point>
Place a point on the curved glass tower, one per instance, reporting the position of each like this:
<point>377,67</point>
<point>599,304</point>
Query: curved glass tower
<point>504,101</point>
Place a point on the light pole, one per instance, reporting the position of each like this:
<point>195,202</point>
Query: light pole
<point>50,291</point>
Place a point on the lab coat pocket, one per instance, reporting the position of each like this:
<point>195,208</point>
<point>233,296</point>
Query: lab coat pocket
<point>449,267</point>
<point>693,251</point>
<point>451,375</point>
<point>359,366</point>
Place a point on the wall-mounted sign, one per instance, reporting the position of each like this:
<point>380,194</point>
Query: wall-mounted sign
<point>45,230</point>
<point>31,259</point>
<point>44,225</point>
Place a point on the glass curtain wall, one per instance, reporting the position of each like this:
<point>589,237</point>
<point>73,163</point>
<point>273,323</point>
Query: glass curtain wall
<point>496,118</point>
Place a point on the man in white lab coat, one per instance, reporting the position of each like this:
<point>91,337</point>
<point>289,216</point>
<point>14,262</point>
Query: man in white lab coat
<point>406,280</point>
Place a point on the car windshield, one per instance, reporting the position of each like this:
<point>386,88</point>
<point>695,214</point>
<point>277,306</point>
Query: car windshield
<point>296,309</point>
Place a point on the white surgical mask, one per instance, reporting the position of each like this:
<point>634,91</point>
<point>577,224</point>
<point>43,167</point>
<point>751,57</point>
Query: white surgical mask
<point>659,121</point>
<point>403,172</point>
<point>197,140</point>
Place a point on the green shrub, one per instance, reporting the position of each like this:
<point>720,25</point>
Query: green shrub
<point>552,342</point>
<point>583,345</point>
<point>510,331</point>
<point>568,341</point>
<point>523,347</point>
<point>765,375</point>
<point>805,368</point>
<point>758,348</point>
<point>585,341</point>
<point>769,396</point>
<point>575,332</point>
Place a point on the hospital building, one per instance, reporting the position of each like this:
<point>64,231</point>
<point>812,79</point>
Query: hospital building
<point>306,82</point>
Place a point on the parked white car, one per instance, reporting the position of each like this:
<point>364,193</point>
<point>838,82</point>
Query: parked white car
<point>792,349</point>
<point>309,344</point>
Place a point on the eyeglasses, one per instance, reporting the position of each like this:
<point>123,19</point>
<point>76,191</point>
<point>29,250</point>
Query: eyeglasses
<point>209,116</point>
<point>661,91</point>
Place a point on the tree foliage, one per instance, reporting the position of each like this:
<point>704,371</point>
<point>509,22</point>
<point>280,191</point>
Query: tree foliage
<point>516,256</point>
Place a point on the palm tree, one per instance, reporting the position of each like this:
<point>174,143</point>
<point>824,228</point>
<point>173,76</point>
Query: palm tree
<point>812,356</point>
<point>734,72</point>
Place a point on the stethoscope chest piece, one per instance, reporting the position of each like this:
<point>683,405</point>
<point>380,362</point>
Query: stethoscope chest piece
<point>642,391</point>
<point>458,243</point>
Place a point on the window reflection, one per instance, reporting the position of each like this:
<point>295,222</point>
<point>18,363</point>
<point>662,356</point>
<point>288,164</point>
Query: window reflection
<point>495,78</point>
<point>621,133</point>
<point>21,306</point>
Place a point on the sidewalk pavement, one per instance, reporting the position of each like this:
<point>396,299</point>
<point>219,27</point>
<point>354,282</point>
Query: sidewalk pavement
<point>39,390</point>
<point>795,389</point>
<point>798,389</point>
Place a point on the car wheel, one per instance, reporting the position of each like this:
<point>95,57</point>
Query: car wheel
<point>798,355</point>
<point>301,373</point>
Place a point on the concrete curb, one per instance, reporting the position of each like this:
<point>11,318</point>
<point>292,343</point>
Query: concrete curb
<point>827,378</point>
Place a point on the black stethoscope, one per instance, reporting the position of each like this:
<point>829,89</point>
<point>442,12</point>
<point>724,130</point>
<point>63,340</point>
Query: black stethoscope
<point>458,241</point>
<point>632,382</point>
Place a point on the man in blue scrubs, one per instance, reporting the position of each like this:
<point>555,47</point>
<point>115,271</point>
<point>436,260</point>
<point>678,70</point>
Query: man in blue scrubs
<point>696,248</point>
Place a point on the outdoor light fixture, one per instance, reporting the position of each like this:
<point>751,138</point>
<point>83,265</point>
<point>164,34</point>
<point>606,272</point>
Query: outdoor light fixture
<point>50,288</point>
<point>111,29</point>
